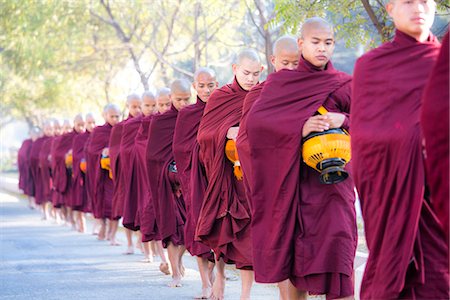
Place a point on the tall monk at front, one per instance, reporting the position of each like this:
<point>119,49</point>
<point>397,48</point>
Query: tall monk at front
<point>408,253</point>
<point>224,219</point>
<point>163,179</point>
<point>302,229</point>
<point>185,150</point>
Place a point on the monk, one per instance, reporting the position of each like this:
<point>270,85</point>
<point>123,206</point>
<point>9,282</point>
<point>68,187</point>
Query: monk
<point>296,234</point>
<point>164,183</point>
<point>408,253</point>
<point>224,219</point>
<point>146,215</point>
<point>118,167</point>
<point>436,103</point>
<point>79,196</point>
<point>184,146</point>
<point>285,56</point>
<point>23,161</point>
<point>100,182</point>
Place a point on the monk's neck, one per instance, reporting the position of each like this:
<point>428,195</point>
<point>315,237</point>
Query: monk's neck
<point>420,37</point>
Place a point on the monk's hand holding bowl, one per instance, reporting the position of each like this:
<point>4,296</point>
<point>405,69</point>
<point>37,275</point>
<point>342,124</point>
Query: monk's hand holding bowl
<point>233,133</point>
<point>105,152</point>
<point>317,123</point>
<point>335,119</point>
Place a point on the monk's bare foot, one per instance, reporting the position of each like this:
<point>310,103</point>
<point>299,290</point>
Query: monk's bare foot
<point>182,270</point>
<point>176,282</point>
<point>115,243</point>
<point>164,268</point>
<point>218,289</point>
<point>147,259</point>
<point>206,294</point>
<point>129,251</point>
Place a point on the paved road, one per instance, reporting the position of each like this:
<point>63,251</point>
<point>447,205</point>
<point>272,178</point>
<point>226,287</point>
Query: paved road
<point>43,260</point>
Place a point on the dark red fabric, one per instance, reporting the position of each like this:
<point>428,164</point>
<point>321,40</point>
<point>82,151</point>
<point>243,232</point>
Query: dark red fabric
<point>114,156</point>
<point>128,164</point>
<point>45,170</point>
<point>89,175</point>
<point>184,143</point>
<point>80,199</point>
<point>34,165</point>
<point>388,167</point>
<point>435,106</point>
<point>57,199</point>
<point>224,219</point>
<point>23,164</point>
<point>102,185</point>
<point>145,217</point>
<point>42,181</point>
<point>302,229</point>
<point>169,209</point>
<point>62,177</point>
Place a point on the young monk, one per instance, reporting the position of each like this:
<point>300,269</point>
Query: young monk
<point>23,161</point>
<point>408,254</point>
<point>224,219</point>
<point>436,103</point>
<point>185,150</point>
<point>285,56</point>
<point>133,105</point>
<point>301,229</point>
<point>164,184</point>
<point>101,184</point>
<point>44,192</point>
<point>146,215</point>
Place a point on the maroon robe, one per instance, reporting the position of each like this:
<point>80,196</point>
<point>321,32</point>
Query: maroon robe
<point>57,199</point>
<point>89,175</point>
<point>435,106</point>
<point>45,170</point>
<point>408,256</point>
<point>42,181</point>
<point>224,219</point>
<point>145,216</point>
<point>34,165</point>
<point>114,156</point>
<point>128,164</point>
<point>169,207</point>
<point>302,229</point>
<point>23,162</point>
<point>62,176</point>
<point>79,192</point>
<point>102,186</point>
<point>184,143</point>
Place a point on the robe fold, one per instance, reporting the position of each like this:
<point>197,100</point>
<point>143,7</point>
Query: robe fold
<point>224,219</point>
<point>102,185</point>
<point>80,198</point>
<point>302,230</point>
<point>36,190</point>
<point>184,143</point>
<point>435,106</point>
<point>23,164</point>
<point>128,164</point>
<point>169,207</point>
<point>145,216</point>
<point>62,176</point>
<point>45,170</point>
<point>408,255</point>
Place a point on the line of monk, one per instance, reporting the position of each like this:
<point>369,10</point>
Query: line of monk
<point>226,177</point>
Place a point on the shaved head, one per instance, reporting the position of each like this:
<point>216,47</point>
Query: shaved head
<point>67,126</point>
<point>111,113</point>
<point>204,83</point>
<point>148,105</point>
<point>286,53</point>
<point>248,54</point>
<point>204,71</point>
<point>247,69</point>
<point>180,93</point>
<point>78,123</point>
<point>315,23</point>
<point>48,127</point>
<point>286,43</point>
<point>134,104</point>
<point>90,122</point>
<point>163,101</point>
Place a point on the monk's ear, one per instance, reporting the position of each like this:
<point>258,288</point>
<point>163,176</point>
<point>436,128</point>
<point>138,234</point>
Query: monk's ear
<point>272,60</point>
<point>234,67</point>
<point>217,84</point>
<point>300,42</point>
<point>262,68</point>
<point>389,7</point>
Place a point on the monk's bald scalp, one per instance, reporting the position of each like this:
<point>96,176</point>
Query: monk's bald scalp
<point>78,118</point>
<point>287,43</point>
<point>111,107</point>
<point>132,97</point>
<point>180,86</point>
<point>315,23</point>
<point>249,54</point>
<point>148,94</point>
<point>204,70</point>
<point>165,91</point>
<point>90,116</point>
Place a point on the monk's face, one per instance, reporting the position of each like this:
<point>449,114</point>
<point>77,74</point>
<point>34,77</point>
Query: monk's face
<point>148,106</point>
<point>247,73</point>
<point>57,129</point>
<point>205,84</point>
<point>163,103</point>
<point>134,107</point>
<point>285,59</point>
<point>90,123</point>
<point>112,117</point>
<point>412,17</point>
<point>48,130</point>
<point>67,127</point>
<point>317,46</point>
<point>180,99</point>
<point>79,125</point>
